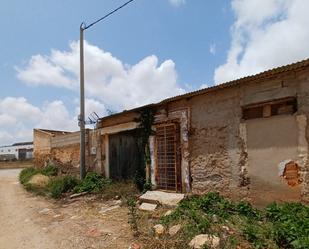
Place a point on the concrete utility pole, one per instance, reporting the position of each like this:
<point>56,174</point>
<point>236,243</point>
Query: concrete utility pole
<point>81,118</point>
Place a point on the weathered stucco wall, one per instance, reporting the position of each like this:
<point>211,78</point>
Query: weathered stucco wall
<point>67,156</point>
<point>65,150</point>
<point>239,158</point>
<point>62,148</point>
<point>214,142</point>
<point>271,141</point>
<point>41,147</point>
<point>232,156</point>
<point>303,108</point>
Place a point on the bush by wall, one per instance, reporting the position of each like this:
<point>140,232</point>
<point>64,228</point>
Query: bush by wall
<point>62,184</point>
<point>93,182</point>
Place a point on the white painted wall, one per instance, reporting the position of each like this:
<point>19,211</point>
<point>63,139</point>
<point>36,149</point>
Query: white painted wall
<point>13,150</point>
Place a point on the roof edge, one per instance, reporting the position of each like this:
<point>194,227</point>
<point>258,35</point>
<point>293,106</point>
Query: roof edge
<point>262,75</point>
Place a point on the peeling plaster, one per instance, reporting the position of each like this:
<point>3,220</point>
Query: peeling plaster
<point>243,160</point>
<point>302,152</point>
<point>153,159</point>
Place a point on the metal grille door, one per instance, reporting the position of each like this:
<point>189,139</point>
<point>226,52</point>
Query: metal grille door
<point>168,173</point>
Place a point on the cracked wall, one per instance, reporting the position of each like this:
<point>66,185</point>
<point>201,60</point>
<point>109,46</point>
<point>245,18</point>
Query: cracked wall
<point>239,158</point>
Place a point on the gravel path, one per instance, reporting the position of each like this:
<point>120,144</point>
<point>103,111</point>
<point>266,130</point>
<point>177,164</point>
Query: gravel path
<point>28,221</point>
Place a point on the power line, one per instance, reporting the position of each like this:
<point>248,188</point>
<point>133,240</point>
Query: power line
<point>107,15</point>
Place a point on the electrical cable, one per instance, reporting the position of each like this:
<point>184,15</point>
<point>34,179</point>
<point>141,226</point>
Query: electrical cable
<point>107,15</point>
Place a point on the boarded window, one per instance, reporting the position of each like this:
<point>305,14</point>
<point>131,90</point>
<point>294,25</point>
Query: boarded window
<point>254,112</point>
<point>168,173</point>
<point>271,108</point>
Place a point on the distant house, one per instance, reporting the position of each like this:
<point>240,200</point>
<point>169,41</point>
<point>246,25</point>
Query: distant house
<point>17,151</point>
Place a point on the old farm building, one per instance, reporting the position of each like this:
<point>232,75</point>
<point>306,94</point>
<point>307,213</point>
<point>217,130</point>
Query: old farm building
<point>247,138</point>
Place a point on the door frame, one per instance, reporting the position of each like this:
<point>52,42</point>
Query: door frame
<point>176,157</point>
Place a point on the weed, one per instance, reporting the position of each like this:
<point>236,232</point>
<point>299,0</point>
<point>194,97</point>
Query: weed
<point>26,174</point>
<point>93,182</point>
<point>255,234</point>
<point>133,216</point>
<point>147,186</point>
<point>290,224</point>
<point>245,208</point>
<point>50,170</point>
<point>232,242</point>
<point>139,179</point>
<point>122,189</point>
<point>279,226</point>
<point>214,203</point>
<point>60,185</point>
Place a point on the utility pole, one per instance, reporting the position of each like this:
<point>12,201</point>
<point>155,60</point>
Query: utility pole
<point>81,118</point>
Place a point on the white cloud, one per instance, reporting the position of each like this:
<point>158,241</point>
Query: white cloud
<point>5,138</point>
<point>18,117</point>
<point>213,49</point>
<point>116,85</point>
<point>54,115</point>
<point>203,86</point>
<point>92,105</point>
<point>177,3</point>
<point>265,34</point>
<point>39,68</point>
<point>19,109</point>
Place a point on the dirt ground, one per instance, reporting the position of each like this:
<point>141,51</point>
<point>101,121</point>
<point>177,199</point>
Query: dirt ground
<point>28,221</point>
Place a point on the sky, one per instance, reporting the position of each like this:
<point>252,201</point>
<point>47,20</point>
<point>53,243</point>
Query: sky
<point>148,51</point>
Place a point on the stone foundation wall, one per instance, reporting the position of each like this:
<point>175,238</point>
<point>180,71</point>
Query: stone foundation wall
<point>214,141</point>
<point>68,155</point>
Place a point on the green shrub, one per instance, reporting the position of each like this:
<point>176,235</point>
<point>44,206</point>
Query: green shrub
<point>93,182</point>
<point>290,224</point>
<point>50,170</point>
<point>213,203</point>
<point>63,184</point>
<point>147,186</point>
<point>245,208</point>
<point>255,234</point>
<point>26,174</point>
<point>279,226</point>
<point>139,179</point>
<point>133,216</point>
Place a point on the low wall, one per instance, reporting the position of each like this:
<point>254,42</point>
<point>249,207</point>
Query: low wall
<point>16,165</point>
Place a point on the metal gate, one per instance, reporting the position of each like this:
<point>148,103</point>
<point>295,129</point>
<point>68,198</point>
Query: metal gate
<point>168,170</point>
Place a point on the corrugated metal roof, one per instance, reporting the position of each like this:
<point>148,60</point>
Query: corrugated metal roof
<point>266,74</point>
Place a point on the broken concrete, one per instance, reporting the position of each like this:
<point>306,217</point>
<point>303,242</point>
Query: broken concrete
<point>147,207</point>
<point>174,230</point>
<point>107,209</point>
<point>169,212</point>
<point>163,198</point>
<point>199,241</point>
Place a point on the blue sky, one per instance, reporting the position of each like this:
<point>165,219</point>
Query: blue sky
<point>148,51</point>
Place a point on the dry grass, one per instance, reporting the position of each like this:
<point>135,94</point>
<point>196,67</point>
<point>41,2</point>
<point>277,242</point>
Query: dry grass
<point>39,180</point>
<point>120,189</point>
